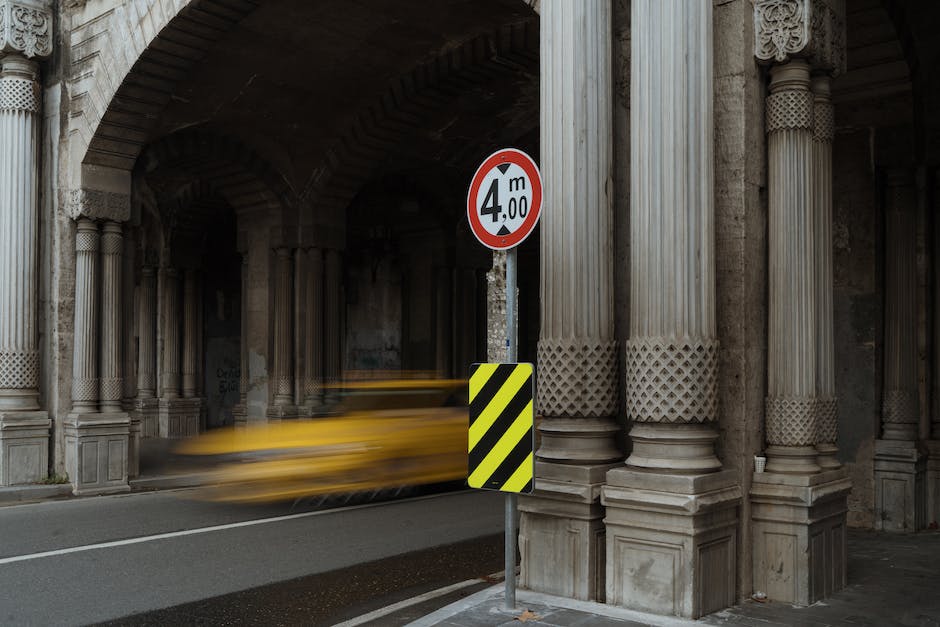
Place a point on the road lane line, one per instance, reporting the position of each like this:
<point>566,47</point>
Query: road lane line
<point>191,532</point>
<point>421,598</point>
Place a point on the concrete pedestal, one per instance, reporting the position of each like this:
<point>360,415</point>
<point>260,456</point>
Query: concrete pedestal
<point>179,417</point>
<point>799,535</point>
<point>933,483</point>
<point>900,485</point>
<point>135,430</point>
<point>282,412</point>
<point>24,447</point>
<point>561,532</point>
<point>96,448</point>
<point>671,541</point>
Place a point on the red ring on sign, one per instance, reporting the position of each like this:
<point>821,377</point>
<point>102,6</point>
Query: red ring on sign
<point>524,161</point>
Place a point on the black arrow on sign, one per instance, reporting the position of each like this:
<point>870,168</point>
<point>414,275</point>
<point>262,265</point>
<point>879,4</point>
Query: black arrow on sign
<point>503,167</point>
<point>503,231</point>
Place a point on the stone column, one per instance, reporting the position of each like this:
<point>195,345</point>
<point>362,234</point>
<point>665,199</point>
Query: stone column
<point>189,333</point>
<point>332,319</point>
<point>442,338</point>
<point>577,352</point>
<point>112,383</point>
<point>146,403</point>
<point>283,381</point>
<point>798,511</point>
<point>240,411</point>
<point>791,420</point>
<point>670,494</point>
<point>900,464</point>
<point>933,443</point>
<point>171,335</point>
<point>299,329</point>
<point>85,346</point>
<point>827,405</point>
<point>24,429</point>
<point>313,336</point>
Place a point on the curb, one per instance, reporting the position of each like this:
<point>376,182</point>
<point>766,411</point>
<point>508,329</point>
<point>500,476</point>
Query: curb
<point>34,492</point>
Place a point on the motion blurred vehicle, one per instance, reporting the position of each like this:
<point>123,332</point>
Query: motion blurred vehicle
<point>379,435</point>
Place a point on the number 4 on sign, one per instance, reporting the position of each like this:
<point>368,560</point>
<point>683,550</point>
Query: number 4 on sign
<point>491,204</point>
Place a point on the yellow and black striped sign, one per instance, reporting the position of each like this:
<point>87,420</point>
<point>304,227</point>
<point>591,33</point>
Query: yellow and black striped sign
<point>502,435</point>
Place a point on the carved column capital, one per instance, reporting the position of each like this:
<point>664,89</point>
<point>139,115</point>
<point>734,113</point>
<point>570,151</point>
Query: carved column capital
<point>98,204</point>
<point>786,29</point>
<point>26,28</point>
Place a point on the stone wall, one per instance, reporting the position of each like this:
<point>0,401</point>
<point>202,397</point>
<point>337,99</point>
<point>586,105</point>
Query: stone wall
<point>741,253</point>
<point>858,312</point>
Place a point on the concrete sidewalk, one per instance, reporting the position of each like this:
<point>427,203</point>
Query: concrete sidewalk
<point>893,579</point>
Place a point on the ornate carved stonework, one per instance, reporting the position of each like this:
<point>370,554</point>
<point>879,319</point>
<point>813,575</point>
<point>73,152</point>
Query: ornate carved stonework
<point>781,28</point>
<point>98,204</point>
<point>19,94</point>
<point>26,28</point>
<point>670,382</point>
<point>824,124</point>
<point>827,39</point>
<point>827,409</point>
<point>791,109</point>
<point>577,378</point>
<point>899,406</point>
<point>791,421</point>
<point>19,369</point>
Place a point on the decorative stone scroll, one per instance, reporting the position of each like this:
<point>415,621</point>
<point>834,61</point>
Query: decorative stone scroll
<point>827,39</point>
<point>781,28</point>
<point>672,382</point>
<point>577,377</point>
<point>26,28</point>
<point>792,421</point>
<point>99,204</point>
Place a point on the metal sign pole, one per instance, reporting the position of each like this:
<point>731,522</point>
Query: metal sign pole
<point>511,497</point>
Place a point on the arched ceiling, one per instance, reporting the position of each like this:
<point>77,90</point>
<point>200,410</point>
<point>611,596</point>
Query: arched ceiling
<point>330,92</point>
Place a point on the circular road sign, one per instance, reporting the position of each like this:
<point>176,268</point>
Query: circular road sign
<point>505,199</point>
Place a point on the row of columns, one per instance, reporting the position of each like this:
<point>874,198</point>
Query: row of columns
<point>307,313</point>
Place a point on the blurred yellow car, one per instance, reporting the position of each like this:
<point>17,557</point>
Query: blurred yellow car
<point>382,439</point>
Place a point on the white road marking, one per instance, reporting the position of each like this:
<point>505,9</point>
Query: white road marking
<point>191,532</point>
<point>421,598</point>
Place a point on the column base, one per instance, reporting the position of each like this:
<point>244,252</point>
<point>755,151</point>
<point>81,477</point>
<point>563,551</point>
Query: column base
<point>96,451</point>
<point>792,460</point>
<point>179,417</point>
<point>674,448</point>
<point>561,532</point>
<point>826,456</point>
<point>671,541</point>
<point>799,529</point>
<point>900,486</point>
<point>240,414</point>
<point>147,413</point>
<point>933,484</point>
<point>282,412</point>
<point>133,445</point>
<point>579,441</point>
<point>24,447</point>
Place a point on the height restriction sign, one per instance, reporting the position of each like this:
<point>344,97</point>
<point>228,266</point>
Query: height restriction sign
<point>505,199</point>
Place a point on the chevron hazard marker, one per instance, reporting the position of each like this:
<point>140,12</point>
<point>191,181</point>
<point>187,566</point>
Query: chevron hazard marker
<point>502,434</point>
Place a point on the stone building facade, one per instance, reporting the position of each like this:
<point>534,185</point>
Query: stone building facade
<point>210,210</point>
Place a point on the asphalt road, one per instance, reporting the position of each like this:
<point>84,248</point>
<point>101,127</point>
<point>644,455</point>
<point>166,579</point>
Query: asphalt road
<point>94,560</point>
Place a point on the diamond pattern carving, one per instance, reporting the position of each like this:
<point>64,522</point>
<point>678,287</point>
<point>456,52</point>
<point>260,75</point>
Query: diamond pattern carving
<point>828,420</point>
<point>669,382</point>
<point>899,406</point>
<point>824,124</point>
<point>84,389</point>
<point>111,389</point>
<point>577,377</point>
<point>19,370</point>
<point>791,109</point>
<point>19,94</point>
<point>792,421</point>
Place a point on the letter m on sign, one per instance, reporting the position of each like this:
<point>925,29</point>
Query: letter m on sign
<point>502,434</point>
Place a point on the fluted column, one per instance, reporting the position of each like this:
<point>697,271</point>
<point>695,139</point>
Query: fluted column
<point>672,354</point>
<point>85,349</point>
<point>282,328</point>
<point>332,340</point>
<point>241,410</point>
<point>112,384</point>
<point>313,336</point>
<point>190,333</point>
<point>146,379</point>
<point>577,352</point>
<point>171,335</point>
<point>899,406</point>
<point>823,128</point>
<point>19,232</point>
<point>791,404</point>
